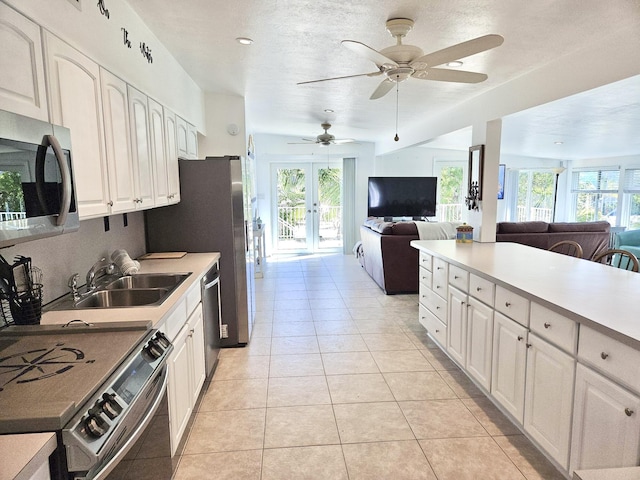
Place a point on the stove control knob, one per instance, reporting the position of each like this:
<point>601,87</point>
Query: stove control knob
<point>95,425</point>
<point>162,339</point>
<point>110,406</point>
<point>153,350</point>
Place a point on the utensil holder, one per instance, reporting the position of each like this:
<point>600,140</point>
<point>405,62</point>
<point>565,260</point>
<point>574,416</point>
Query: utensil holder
<point>23,306</point>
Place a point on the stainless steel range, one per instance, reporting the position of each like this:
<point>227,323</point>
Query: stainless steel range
<point>97,387</point>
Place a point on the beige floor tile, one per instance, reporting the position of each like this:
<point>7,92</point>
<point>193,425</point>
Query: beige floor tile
<point>438,359</point>
<point>227,431</point>
<point>387,341</point>
<point>322,303</point>
<point>302,304</point>
<point>243,465</point>
<point>441,419</point>
<point>344,363</point>
<point>303,315</point>
<point>367,387</point>
<point>461,384</point>
<point>286,294</point>
<point>290,391</point>
<point>324,292</point>
<point>340,327</point>
<point>237,367</point>
<point>528,458</point>
<point>331,315</point>
<point>469,459</point>
<point>401,361</point>
<point>262,329</point>
<point>492,419</point>
<point>293,329</point>
<point>257,346</point>
<point>371,422</point>
<point>235,394</point>
<point>300,426</point>
<point>418,386</point>
<point>300,365</point>
<point>387,460</point>
<point>372,313</point>
<point>371,292</point>
<point>341,343</point>
<point>421,340</point>
<point>294,345</point>
<point>361,302</point>
<point>304,463</point>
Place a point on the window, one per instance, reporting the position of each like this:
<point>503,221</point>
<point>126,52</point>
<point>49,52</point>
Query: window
<point>535,195</point>
<point>595,195</point>
<point>451,192</point>
<point>630,216</point>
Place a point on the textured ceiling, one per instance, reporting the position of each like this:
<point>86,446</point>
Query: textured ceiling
<point>299,40</point>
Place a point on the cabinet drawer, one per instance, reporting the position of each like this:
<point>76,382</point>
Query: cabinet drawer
<point>426,261</point>
<point>175,320</point>
<point>615,359</point>
<point>554,327</point>
<point>512,305</point>
<point>481,289</point>
<point>193,298</point>
<point>425,277</point>
<point>459,278</point>
<point>435,327</point>
<point>436,304</point>
<point>440,278</point>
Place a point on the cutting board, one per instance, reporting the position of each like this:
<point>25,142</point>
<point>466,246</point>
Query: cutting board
<point>162,255</point>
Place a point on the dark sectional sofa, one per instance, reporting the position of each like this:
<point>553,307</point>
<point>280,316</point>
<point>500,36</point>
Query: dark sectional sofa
<point>592,236</point>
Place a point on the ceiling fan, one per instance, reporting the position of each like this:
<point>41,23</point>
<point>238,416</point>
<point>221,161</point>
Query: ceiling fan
<point>400,61</point>
<point>325,138</point>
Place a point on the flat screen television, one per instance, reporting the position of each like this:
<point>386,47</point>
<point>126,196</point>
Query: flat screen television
<point>402,197</point>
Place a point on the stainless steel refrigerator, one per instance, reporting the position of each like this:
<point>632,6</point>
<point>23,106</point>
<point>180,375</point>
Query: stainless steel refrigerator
<point>215,214</point>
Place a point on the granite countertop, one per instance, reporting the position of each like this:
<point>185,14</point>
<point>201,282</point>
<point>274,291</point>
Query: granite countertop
<point>22,455</point>
<point>197,263</point>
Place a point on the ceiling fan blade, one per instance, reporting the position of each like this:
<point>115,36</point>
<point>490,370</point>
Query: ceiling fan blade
<point>461,50</point>
<point>342,141</point>
<point>372,74</point>
<point>368,52</point>
<point>382,89</point>
<point>310,142</point>
<point>444,75</point>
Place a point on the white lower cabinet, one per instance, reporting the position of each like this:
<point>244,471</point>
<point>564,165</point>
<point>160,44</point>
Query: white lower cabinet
<point>479,342</point>
<point>549,397</point>
<point>509,364</point>
<point>606,423</point>
<point>198,370</point>
<point>457,325</point>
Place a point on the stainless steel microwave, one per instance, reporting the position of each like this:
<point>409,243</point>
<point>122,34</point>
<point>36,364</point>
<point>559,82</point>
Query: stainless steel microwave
<point>37,191</point>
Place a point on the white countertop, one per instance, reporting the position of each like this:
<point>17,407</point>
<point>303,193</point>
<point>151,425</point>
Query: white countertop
<point>22,455</point>
<point>600,296</point>
<point>197,263</point>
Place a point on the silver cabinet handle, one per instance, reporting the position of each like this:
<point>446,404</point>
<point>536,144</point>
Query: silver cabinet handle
<point>507,304</point>
<point>604,355</point>
<point>628,412</point>
<point>528,345</point>
<point>110,203</point>
<point>547,325</point>
<point>455,277</point>
<point>437,331</point>
<point>520,337</point>
<point>478,289</point>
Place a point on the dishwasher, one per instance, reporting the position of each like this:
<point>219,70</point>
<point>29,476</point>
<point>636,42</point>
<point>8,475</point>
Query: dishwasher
<point>212,318</point>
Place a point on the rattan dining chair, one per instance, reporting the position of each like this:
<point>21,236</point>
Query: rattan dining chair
<point>567,247</point>
<point>618,258</point>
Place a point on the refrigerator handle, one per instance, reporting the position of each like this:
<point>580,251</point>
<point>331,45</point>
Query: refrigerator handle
<point>246,236</point>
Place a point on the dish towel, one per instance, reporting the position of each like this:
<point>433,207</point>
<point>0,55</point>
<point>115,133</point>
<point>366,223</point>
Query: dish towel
<point>124,262</point>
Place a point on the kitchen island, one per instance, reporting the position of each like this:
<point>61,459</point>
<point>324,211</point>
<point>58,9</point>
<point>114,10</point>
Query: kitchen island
<point>552,340</point>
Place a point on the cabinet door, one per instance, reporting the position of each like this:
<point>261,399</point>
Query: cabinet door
<point>479,342</point>
<point>23,90</point>
<point>181,137</point>
<point>457,325</point>
<point>549,397</point>
<point>196,340</point>
<point>606,423</point>
<point>142,167</point>
<point>115,106</point>
<point>192,142</point>
<point>509,364</point>
<point>158,154</point>
<point>76,103</point>
<point>179,388</point>
<point>171,149</point>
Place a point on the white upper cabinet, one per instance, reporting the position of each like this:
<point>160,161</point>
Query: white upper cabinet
<point>115,104</point>
<point>22,83</point>
<point>158,153</point>
<point>141,149</point>
<point>76,103</point>
<point>181,137</point>
<point>192,142</point>
<point>171,150</point>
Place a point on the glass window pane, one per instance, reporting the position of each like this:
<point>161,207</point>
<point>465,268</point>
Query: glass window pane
<point>450,194</point>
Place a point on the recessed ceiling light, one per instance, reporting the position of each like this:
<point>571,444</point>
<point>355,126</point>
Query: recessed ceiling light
<point>328,110</point>
<point>457,63</point>
<point>244,41</point>
<point>558,142</point>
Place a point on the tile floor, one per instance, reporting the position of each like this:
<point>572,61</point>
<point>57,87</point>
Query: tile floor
<point>340,381</point>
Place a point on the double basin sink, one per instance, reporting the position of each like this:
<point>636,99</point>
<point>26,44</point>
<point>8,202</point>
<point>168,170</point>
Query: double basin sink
<point>138,290</point>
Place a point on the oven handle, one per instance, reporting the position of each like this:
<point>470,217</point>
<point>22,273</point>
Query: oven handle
<point>65,203</point>
<point>137,433</point>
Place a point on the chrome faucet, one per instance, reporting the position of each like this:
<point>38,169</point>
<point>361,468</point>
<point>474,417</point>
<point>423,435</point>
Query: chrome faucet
<point>73,285</point>
<point>94,271</point>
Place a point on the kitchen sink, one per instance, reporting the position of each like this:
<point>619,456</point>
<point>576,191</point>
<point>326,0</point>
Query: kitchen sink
<point>123,298</point>
<point>148,280</point>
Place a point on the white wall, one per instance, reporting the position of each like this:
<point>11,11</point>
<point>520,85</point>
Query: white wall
<point>101,39</point>
<point>220,112</point>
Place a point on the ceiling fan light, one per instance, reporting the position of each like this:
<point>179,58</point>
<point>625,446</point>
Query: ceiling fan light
<point>244,40</point>
<point>328,110</point>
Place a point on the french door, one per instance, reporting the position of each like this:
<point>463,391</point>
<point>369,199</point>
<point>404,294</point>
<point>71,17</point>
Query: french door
<point>307,207</point>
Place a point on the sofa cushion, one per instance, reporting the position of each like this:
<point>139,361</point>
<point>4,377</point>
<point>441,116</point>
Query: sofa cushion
<point>404,228</point>
<point>379,225</point>
<point>579,227</point>
<point>522,227</point>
